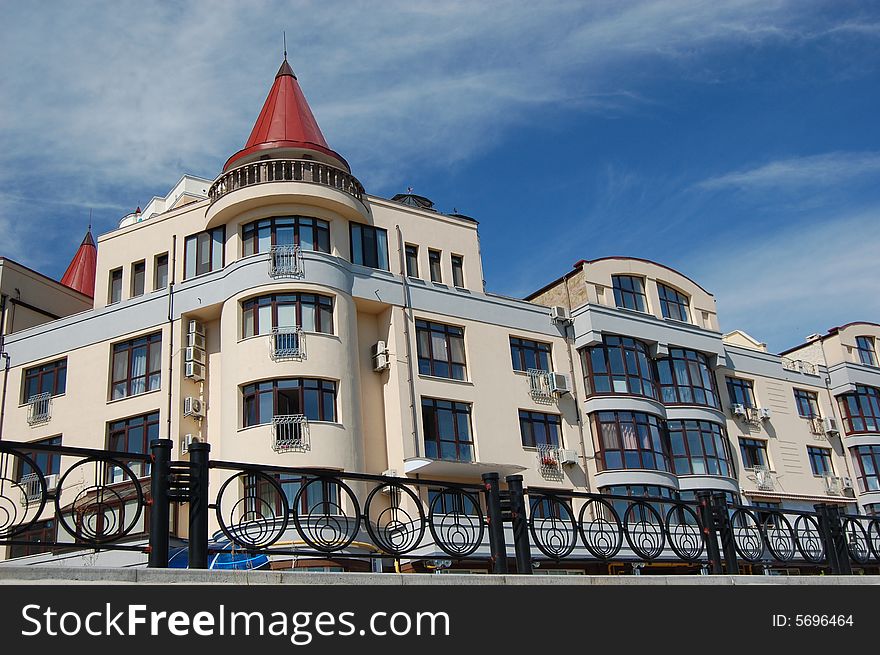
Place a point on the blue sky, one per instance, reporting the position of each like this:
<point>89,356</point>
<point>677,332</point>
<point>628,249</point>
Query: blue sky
<point>738,142</point>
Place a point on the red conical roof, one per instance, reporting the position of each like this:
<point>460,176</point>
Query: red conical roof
<point>80,275</point>
<point>285,121</point>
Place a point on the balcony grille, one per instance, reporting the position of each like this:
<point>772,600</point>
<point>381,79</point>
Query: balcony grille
<point>285,261</point>
<point>833,485</point>
<point>799,366</point>
<point>763,478</point>
<point>539,386</point>
<point>549,464</point>
<point>288,343</point>
<point>817,427</point>
<point>39,409</point>
<point>30,484</point>
<point>290,434</point>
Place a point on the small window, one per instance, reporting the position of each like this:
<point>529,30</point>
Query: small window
<point>48,378</point>
<point>447,430</point>
<point>434,264</point>
<point>807,403</point>
<point>865,347</point>
<point>136,366</point>
<point>458,271</point>
<point>115,294</point>
<point>160,275</point>
<point>673,304</point>
<point>527,354</point>
<point>820,460</point>
<point>754,453</point>
<point>48,463</point>
<point>539,429</point>
<point>412,260</point>
<point>741,392</point>
<point>629,292</point>
<point>369,246</point>
<point>132,435</point>
<point>138,280</point>
<point>204,252</point>
<point>441,350</point>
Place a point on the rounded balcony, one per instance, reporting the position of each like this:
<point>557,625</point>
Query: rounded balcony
<point>636,477</point>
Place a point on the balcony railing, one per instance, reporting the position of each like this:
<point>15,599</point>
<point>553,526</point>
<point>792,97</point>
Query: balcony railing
<point>817,426</point>
<point>285,170</point>
<point>833,485</point>
<point>290,434</point>
<point>539,386</point>
<point>549,463</point>
<point>39,409</point>
<point>285,261</point>
<point>288,343</point>
<point>763,478</point>
<point>799,366</point>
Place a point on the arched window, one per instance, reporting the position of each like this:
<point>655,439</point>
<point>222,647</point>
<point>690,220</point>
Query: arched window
<point>673,303</point>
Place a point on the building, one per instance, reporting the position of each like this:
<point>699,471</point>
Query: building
<point>286,317</point>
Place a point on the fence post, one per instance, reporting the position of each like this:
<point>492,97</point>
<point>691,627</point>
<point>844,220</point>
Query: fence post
<point>160,510</point>
<point>497,547</point>
<point>520,524</point>
<point>725,529</point>
<point>710,535</point>
<point>834,539</point>
<point>198,505</point>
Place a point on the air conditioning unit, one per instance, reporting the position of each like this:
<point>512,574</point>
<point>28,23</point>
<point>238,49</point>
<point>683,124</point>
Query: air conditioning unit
<point>568,457</point>
<point>195,355</point>
<point>194,371</point>
<point>738,410</point>
<point>558,383</point>
<point>764,413</point>
<point>379,355</point>
<point>195,327</point>
<point>830,425</point>
<point>194,340</point>
<point>193,407</point>
<point>186,441</point>
<point>51,482</point>
<point>845,482</point>
<point>559,314</point>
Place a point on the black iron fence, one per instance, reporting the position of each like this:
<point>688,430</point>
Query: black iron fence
<point>117,500</point>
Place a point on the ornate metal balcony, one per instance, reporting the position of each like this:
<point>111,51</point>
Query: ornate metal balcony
<point>39,409</point>
<point>285,261</point>
<point>290,434</point>
<point>286,170</point>
<point>799,366</point>
<point>288,343</point>
<point>549,463</point>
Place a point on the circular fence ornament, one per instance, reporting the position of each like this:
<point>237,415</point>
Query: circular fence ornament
<point>809,538</point>
<point>600,528</point>
<point>747,538</point>
<point>684,532</point>
<point>22,497</point>
<point>553,526</point>
<point>320,517</point>
<point>258,517</point>
<point>874,537</point>
<point>456,522</point>
<point>856,540</point>
<point>398,527</point>
<point>107,500</point>
<point>779,536</point>
<point>643,528</point>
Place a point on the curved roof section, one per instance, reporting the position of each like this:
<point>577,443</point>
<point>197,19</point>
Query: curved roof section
<point>286,121</point>
<point>80,274</point>
<point>831,332</point>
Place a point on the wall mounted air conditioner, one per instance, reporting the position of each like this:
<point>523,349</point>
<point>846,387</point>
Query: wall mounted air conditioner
<point>558,383</point>
<point>195,355</point>
<point>194,340</point>
<point>379,356</point>
<point>738,409</point>
<point>830,425</point>
<point>194,371</point>
<point>558,314</point>
<point>186,441</point>
<point>193,407</point>
<point>764,413</point>
<point>845,482</point>
<point>568,457</point>
<point>51,482</point>
<point>195,327</point>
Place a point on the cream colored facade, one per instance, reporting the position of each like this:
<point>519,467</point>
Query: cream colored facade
<point>377,424</point>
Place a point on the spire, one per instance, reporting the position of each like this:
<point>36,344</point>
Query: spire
<point>286,121</point>
<point>80,275</point>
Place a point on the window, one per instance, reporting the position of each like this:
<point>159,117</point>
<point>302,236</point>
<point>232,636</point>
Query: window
<point>132,435</point>
<point>41,532</point>
<point>861,410</point>
<point>203,252</point>
<point>807,403</point>
<point>160,274</point>
<point>115,294</point>
<point>369,246</point>
<point>412,260</point>
<point>138,278</point>
<point>458,271</point>
<point>528,354</point>
<point>48,463</point>
<point>441,350</point>
<point>820,460</point>
<point>741,392</point>
<point>620,365</point>
<point>698,448</point>
<point>312,312</point>
<point>434,265</point>
<point>136,366</point>
<point>629,440</point>
<point>673,304</point>
<point>754,453</point>
<point>866,460</point>
<point>447,430</point>
<point>306,232</point>
<point>765,512</point>
<point>538,429</point>
<point>629,292</point>
<point>685,378</point>
<point>321,497</point>
<point>865,348</point>
<point>638,492</point>
<point>48,378</point>
<point>316,399</point>
<point>446,501</point>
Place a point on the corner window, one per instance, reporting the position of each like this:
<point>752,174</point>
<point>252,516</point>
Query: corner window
<point>673,304</point>
<point>434,265</point>
<point>619,366</point>
<point>447,430</point>
<point>866,464</point>
<point>807,403</point>
<point>861,410</point>
<point>820,460</point>
<point>203,252</point>
<point>313,398</point>
<point>136,366</point>
<point>310,311</point>
<point>865,348</point>
<point>458,271</point>
<point>685,378</point>
<point>441,350</point>
<point>527,354</point>
<point>741,392</point>
<point>48,378</point>
<point>160,275</point>
<point>629,440</point>
<point>698,448</point>
<point>306,232</point>
<point>369,246</point>
<point>539,429</point>
<point>115,291</point>
<point>412,260</point>
<point>754,453</point>
<point>138,278</point>
<point>629,292</point>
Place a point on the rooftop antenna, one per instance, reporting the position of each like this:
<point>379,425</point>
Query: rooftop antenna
<point>284,37</point>
<point>90,220</point>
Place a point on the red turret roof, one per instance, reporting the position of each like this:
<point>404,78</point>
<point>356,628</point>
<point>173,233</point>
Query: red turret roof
<point>80,275</point>
<point>285,121</point>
